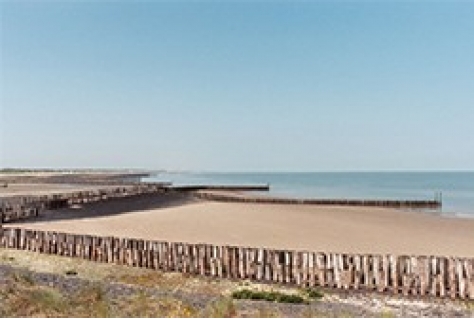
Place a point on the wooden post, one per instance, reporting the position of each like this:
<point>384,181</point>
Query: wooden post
<point>277,271</point>
<point>220,260</point>
<point>184,258</point>
<point>365,271</point>
<point>202,259</point>
<point>451,280</point>
<point>407,275</point>
<point>260,264</point>
<point>329,271</point>
<point>212,260</point>
<point>208,259</point>
<point>160,263</point>
<point>321,269</point>
<point>442,275</point>
<point>114,250</point>
<point>51,243</point>
<point>336,270</point>
<point>434,276</point>
<point>288,270</point>
<point>154,255</point>
<point>385,273</point>
<point>173,257</point>
<point>424,274</point>
<point>22,239</point>
<point>268,265</point>
<point>225,262</point>
<point>242,260</point>
<point>251,263</point>
<point>460,279</point>
<point>470,277</point>
<point>312,269</point>
<point>357,271</point>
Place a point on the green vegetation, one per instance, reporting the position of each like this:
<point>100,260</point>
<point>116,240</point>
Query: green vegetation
<point>268,296</point>
<point>313,293</point>
<point>275,296</point>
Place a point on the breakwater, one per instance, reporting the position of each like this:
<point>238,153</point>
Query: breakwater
<point>434,276</point>
<point>215,196</point>
<point>23,207</point>
<point>230,188</point>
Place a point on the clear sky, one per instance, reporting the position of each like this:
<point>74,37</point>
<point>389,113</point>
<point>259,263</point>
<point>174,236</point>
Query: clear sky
<point>239,86</point>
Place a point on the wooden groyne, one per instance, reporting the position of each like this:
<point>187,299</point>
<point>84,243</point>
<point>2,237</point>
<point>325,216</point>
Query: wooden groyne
<point>22,207</point>
<point>433,276</point>
<point>230,188</point>
<point>215,196</point>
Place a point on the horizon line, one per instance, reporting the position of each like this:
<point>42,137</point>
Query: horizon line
<point>164,170</point>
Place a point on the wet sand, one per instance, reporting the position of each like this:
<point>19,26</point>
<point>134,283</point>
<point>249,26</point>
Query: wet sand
<point>301,227</point>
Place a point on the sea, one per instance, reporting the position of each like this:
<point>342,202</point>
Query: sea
<point>455,188</point>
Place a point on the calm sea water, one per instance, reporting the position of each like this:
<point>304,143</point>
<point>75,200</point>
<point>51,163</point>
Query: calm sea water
<point>457,188</point>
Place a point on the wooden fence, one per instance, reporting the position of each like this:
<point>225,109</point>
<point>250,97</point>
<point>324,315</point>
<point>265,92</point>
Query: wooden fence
<point>407,275</point>
<point>21,207</point>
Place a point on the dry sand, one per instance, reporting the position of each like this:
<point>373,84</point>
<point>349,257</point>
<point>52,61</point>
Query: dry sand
<point>301,227</point>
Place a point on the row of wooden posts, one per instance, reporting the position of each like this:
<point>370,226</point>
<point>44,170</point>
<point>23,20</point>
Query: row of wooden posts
<point>340,202</point>
<point>406,275</point>
<point>15,208</point>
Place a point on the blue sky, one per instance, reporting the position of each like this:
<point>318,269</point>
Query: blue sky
<point>238,86</point>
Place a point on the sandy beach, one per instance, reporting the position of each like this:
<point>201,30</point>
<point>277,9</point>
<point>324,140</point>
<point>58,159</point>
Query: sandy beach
<point>300,227</point>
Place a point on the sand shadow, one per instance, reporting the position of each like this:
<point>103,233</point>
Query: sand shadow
<point>112,207</point>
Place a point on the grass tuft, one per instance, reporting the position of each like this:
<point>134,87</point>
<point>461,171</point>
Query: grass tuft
<point>221,308</point>
<point>38,302</point>
<point>91,301</point>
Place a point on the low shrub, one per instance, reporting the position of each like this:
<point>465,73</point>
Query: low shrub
<point>313,293</point>
<point>267,296</point>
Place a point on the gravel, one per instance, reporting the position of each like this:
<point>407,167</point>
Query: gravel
<point>331,305</point>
